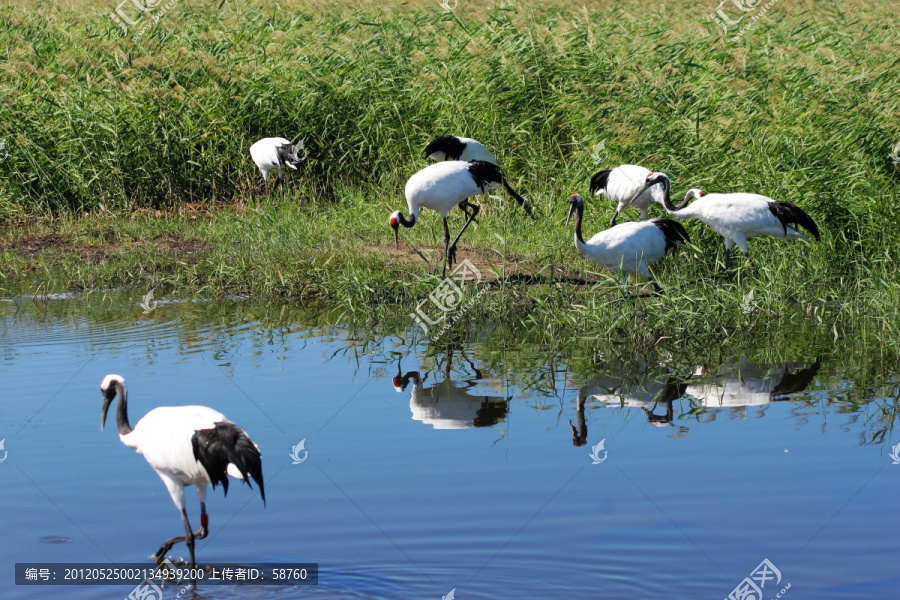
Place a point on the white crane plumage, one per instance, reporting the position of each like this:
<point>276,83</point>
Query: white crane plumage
<point>451,147</point>
<point>275,153</point>
<point>186,445</point>
<point>626,185</point>
<point>739,216</point>
<point>441,187</point>
<point>627,246</point>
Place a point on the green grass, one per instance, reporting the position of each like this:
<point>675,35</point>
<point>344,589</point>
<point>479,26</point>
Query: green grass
<point>123,150</point>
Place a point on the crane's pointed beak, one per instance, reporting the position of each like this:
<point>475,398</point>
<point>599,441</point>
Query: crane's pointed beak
<point>397,236</point>
<point>106,402</point>
<point>571,210</point>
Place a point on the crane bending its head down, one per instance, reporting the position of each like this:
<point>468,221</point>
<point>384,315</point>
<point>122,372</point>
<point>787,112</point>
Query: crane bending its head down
<point>737,217</point>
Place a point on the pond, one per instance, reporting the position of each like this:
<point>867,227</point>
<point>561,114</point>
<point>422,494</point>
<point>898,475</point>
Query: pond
<point>478,468</point>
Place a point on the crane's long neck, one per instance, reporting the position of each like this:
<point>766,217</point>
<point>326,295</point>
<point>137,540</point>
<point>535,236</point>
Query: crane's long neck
<point>122,410</point>
<point>413,217</point>
<point>667,200</point>
<point>579,213</point>
<point>403,380</point>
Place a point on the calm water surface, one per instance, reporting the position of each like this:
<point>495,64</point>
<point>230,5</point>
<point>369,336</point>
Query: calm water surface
<point>431,469</point>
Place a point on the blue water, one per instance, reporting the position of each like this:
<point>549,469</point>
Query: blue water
<point>463,478</point>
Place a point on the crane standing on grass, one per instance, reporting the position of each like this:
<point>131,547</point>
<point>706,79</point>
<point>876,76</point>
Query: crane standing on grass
<point>628,246</point>
<point>276,153</point>
<point>739,216</point>
<point>442,186</point>
<point>626,185</point>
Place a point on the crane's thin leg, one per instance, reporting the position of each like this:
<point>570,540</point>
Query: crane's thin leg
<point>188,538</point>
<point>204,523</point>
<point>446,247</point>
<point>619,207</point>
<point>204,519</point>
<point>266,182</point>
<point>728,245</point>
<point>745,249</point>
<point>281,181</point>
<point>475,209</point>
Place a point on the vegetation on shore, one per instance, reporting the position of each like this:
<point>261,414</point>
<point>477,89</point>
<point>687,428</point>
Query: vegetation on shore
<point>126,161</point>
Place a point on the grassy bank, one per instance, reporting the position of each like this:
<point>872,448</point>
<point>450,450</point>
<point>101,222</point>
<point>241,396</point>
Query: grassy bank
<point>344,258</point>
<point>126,161</point>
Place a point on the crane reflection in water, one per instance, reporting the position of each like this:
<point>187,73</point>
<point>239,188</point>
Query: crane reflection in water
<point>451,403</point>
<point>703,394</point>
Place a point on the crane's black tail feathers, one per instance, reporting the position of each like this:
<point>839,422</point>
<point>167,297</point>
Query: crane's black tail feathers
<point>795,381</point>
<point>225,444</point>
<point>522,201</point>
<point>484,173</point>
<point>791,215</point>
<point>598,181</point>
<point>673,231</point>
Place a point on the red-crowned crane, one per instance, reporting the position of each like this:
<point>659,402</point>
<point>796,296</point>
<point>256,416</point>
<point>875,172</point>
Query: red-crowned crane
<point>739,216</point>
<point>442,186</point>
<point>451,147</point>
<point>626,185</point>
<point>275,153</point>
<point>627,246</point>
<point>186,445</point>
